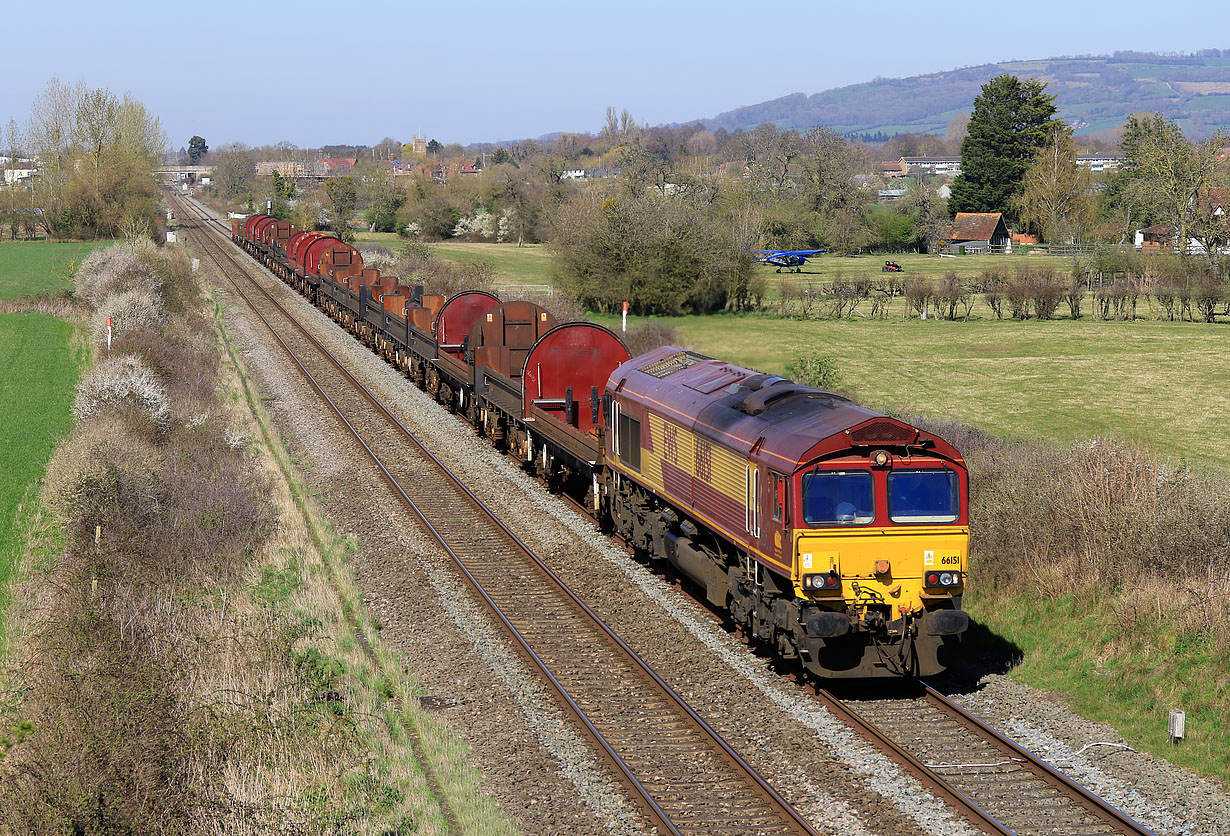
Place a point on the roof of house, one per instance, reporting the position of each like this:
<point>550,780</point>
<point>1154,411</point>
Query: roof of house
<point>1215,196</point>
<point>976,226</point>
<point>1159,229</point>
<point>339,163</point>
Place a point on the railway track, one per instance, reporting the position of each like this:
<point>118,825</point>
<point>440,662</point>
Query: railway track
<point>999,785</point>
<point>683,775</point>
<point>698,783</point>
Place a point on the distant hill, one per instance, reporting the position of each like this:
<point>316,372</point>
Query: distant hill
<point>1092,93</point>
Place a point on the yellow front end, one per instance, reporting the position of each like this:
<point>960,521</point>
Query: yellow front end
<point>881,566</point>
<point>877,613</point>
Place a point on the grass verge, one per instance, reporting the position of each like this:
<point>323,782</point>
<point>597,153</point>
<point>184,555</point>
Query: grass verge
<point>312,576</point>
<point>1121,665</point>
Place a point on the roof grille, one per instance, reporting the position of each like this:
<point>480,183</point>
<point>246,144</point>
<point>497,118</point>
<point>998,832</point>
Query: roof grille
<point>672,363</point>
<point>882,432</point>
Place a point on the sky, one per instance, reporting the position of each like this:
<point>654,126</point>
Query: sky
<point>483,71</point>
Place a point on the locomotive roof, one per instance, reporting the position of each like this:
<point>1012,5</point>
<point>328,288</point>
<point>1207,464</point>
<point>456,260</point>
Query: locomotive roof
<point>741,409</point>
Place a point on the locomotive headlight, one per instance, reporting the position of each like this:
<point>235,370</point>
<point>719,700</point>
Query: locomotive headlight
<point>943,579</point>
<point>881,458</point>
<point>822,582</point>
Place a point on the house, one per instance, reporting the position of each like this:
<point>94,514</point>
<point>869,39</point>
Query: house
<point>931,166</point>
<point>335,166</point>
<point>890,169</point>
<point>286,168</point>
<point>19,173</point>
<point>1209,204</point>
<point>1158,238</point>
<point>402,168</point>
<point>979,232</point>
<point>1097,163</point>
<point>572,174</point>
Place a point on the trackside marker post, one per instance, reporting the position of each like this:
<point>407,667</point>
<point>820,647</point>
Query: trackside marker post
<point>108,333</point>
<point>625,317</point>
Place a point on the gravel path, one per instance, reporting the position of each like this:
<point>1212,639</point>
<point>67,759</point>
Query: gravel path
<point>538,769</point>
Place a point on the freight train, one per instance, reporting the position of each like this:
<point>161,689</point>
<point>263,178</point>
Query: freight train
<point>831,534</point>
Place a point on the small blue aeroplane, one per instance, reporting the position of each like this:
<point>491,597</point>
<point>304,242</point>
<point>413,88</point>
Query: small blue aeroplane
<point>786,258</point>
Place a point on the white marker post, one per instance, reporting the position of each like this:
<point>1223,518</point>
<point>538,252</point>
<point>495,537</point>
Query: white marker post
<point>1176,728</point>
<point>108,333</point>
<point>625,317</point>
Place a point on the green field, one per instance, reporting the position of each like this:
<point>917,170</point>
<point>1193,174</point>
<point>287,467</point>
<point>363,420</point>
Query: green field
<point>30,267</point>
<point>1157,382</point>
<point>530,264</point>
<point>38,373</point>
<point>1057,379</point>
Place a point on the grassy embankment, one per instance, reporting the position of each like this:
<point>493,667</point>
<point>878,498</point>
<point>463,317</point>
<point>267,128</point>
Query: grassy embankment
<point>208,657</point>
<point>40,363</point>
<point>1154,383</point>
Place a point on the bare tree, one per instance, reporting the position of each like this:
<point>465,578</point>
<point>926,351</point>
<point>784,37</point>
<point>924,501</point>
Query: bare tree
<point>1166,173</point>
<point>1058,199</point>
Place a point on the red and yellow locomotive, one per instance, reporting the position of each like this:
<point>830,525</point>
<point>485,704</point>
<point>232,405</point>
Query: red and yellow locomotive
<point>837,535</point>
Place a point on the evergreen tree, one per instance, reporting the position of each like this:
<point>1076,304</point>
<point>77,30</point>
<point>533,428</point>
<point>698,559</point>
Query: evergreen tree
<point>1011,121</point>
<point>197,149</point>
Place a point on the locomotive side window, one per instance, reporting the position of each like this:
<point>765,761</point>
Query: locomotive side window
<point>629,441</point>
<point>838,497</point>
<point>779,497</point>
<point>922,496</point>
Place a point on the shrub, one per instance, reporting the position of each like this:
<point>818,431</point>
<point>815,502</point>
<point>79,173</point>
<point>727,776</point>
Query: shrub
<point>1047,291</point>
<point>992,282</point>
<point>122,381</point>
<point>1017,290</point>
<point>918,294</point>
<point>377,256</point>
<point>188,364</point>
<point>1092,515</point>
<point>112,270</point>
<point>814,369</point>
<point>647,336</point>
<point>1075,295</point>
<point>128,310</point>
<point>953,296</point>
<point>107,463</point>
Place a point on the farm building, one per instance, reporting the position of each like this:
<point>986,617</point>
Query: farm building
<point>979,232</point>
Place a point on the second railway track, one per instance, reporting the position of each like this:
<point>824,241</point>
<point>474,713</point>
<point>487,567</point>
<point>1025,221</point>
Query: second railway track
<point>684,776</point>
